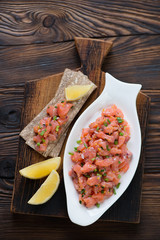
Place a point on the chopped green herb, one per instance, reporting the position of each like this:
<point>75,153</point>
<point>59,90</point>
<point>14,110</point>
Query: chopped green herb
<point>57,128</point>
<point>62,101</point>
<point>44,125</point>
<point>119,162</point>
<point>116,142</point>
<point>95,170</point>
<point>82,164</point>
<point>114,191</point>
<point>75,149</point>
<point>97,128</point>
<point>50,124</point>
<point>97,205</point>
<point>121,134</point>
<point>80,201</point>
<point>102,148</point>
<point>102,170</point>
<point>105,124</point>
<point>104,174</point>
<point>97,155</point>
<point>108,149</point>
<point>117,186</point>
<point>93,159</point>
<point>99,175</point>
<point>86,175</point>
<point>108,121</point>
<point>102,187</point>
<point>70,153</point>
<point>55,106</point>
<point>38,144</point>
<point>79,141</point>
<point>119,176</point>
<point>48,106</point>
<point>40,126</point>
<point>107,156</point>
<point>106,179</point>
<point>55,118</point>
<point>96,185</point>
<point>83,191</point>
<point>85,145</point>
<point>102,191</point>
<point>42,133</point>
<point>120,120</point>
<point>43,140</point>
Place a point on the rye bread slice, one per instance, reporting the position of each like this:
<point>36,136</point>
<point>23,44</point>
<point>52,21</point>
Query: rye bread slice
<point>69,77</point>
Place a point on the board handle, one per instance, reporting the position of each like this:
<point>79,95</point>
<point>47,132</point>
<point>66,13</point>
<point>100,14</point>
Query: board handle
<point>92,53</point>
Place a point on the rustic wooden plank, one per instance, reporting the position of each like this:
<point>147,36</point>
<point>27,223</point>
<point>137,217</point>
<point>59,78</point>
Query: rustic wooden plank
<point>152,148</point>
<point>61,228</point>
<point>25,22</point>
<point>132,59</point>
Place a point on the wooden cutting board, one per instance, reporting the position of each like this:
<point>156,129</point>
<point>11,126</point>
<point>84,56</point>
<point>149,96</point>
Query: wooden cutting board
<point>37,94</point>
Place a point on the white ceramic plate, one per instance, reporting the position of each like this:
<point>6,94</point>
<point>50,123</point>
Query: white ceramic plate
<point>124,96</point>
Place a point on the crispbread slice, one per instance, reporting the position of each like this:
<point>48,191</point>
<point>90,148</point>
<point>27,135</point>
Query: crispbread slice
<point>69,77</point>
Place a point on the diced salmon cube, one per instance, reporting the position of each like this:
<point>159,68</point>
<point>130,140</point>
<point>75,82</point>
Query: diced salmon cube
<point>76,157</point>
<point>93,180</point>
<point>63,109</point>
<point>52,111</point>
<point>89,202</point>
<point>77,169</point>
<point>88,168</point>
<point>105,162</point>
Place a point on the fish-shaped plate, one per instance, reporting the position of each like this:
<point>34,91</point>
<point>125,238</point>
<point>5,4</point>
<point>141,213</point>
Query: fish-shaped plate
<point>123,95</point>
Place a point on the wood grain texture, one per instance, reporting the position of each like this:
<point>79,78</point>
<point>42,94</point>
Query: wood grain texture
<point>24,188</point>
<point>26,22</point>
<point>131,59</point>
<point>41,228</point>
<point>152,148</point>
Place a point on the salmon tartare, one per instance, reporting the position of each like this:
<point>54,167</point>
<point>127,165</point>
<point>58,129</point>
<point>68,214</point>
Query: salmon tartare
<point>49,128</point>
<point>101,157</point>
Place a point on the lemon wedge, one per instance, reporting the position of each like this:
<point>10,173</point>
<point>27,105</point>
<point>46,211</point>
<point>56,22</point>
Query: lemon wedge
<point>46,190</point>
<point>75,92</point>
<point>41,169</point>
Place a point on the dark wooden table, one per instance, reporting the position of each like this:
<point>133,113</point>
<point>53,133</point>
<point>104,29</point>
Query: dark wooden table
<point>36,39</point>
